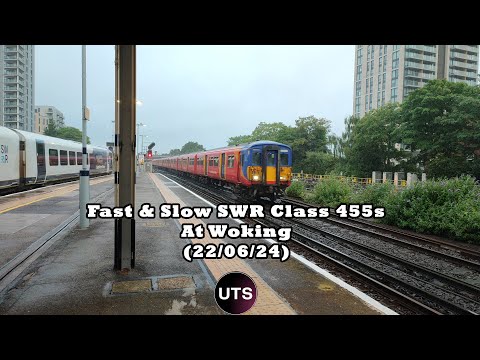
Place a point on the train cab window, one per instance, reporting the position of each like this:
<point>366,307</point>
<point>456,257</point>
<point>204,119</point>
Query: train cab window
<point>63,157</point>
<point>257,159</point>
<point>284,158</point>
<point>53,157</point>
<point>79,158</point>
<point>210,161</point>
<point>71,157</point>
<point>215,161</point>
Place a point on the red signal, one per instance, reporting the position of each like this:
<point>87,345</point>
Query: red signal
<point>149,154</point>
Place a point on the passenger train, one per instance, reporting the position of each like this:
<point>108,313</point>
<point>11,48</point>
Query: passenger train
<point>28,159</point>
<point>257,169</point>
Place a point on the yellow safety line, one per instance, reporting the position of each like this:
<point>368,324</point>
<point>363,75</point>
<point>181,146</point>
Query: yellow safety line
<point>59,192</point>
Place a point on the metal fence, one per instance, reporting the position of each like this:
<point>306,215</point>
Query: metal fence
<point>311,178</point>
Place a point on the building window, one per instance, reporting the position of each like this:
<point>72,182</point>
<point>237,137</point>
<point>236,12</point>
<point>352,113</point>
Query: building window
<point>53,157</point>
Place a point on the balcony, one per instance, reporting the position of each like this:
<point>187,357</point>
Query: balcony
<point>458,55</point>
<point>459,64</point>
<point>10,48</point>
<point>423,48</point>
<point>11,80</point>
<point>458,73</point>
<point>412,83</point>
<point>10,88</point>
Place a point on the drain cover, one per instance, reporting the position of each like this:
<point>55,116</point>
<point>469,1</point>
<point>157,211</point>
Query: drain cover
<point>179,282</point>
<point>131,286</point>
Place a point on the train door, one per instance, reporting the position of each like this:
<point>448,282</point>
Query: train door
<point>222,166</point>
<point>270,165</point>
<point>41,164</point>
<point>205,164</point>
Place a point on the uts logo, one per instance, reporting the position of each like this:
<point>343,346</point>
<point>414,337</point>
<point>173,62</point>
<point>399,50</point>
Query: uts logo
<point>235,293</point>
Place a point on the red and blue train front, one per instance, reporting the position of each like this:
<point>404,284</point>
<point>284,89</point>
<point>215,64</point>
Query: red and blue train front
<point>266,168</point>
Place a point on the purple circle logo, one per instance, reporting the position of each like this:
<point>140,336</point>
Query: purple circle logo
<point>235,293</point>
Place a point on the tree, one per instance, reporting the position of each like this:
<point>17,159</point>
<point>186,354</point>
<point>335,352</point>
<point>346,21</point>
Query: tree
<point>441,121</point>
<point>268,131</point>
<point>51,129</point>
<point>174,152</point>
<point>191,147</point>
<point>371,142</point>
<point>318,163</point>
<point>70,133</point>
<point>309,134</point>
<point>241,139</point>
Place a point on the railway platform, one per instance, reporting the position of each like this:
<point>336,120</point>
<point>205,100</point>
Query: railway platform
<point>72,272</point>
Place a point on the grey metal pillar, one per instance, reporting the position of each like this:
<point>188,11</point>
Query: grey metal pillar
<point>84,189</point>
<point>125,228</point>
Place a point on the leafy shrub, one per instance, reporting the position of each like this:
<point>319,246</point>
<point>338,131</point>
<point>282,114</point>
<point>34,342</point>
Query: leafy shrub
<point>376,194</point>
<point>296,190</point>
<point>448,208</point>
<point>331,192</point>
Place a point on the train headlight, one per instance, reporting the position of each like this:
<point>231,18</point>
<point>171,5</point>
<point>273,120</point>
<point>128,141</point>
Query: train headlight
<point>256,177</point>
<point>283,178</point>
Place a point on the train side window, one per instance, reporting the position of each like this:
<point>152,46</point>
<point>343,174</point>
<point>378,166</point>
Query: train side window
<point>210,161</point>
<point>79,158</point>
<point>71,157</point>
<point>231,161</point>
<point>53,157</point>
<point>63,157</point>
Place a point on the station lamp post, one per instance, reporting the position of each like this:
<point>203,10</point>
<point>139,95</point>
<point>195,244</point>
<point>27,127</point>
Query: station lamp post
<point>138,136</point>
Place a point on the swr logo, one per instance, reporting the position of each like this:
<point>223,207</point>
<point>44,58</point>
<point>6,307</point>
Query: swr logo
<point>225,293</point>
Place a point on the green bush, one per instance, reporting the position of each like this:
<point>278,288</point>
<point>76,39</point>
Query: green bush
<point>448,208</point>
<point>377,194</point>
<point>331,192</point>
<point>296,190</point>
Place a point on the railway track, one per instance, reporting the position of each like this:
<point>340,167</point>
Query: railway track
<point>464,255</point>
<point>417,288</point>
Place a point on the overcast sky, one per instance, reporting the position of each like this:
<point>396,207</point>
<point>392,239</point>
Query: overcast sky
<point>201,93</point>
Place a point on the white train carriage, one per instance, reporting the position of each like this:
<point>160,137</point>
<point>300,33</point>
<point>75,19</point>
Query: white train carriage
<point>31,158</point>
<point>9,158</point>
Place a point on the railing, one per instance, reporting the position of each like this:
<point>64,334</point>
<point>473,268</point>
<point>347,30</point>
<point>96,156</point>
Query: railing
<point>351,179</point>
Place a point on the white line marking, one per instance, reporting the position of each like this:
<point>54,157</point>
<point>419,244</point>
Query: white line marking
<point>374,303</point>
